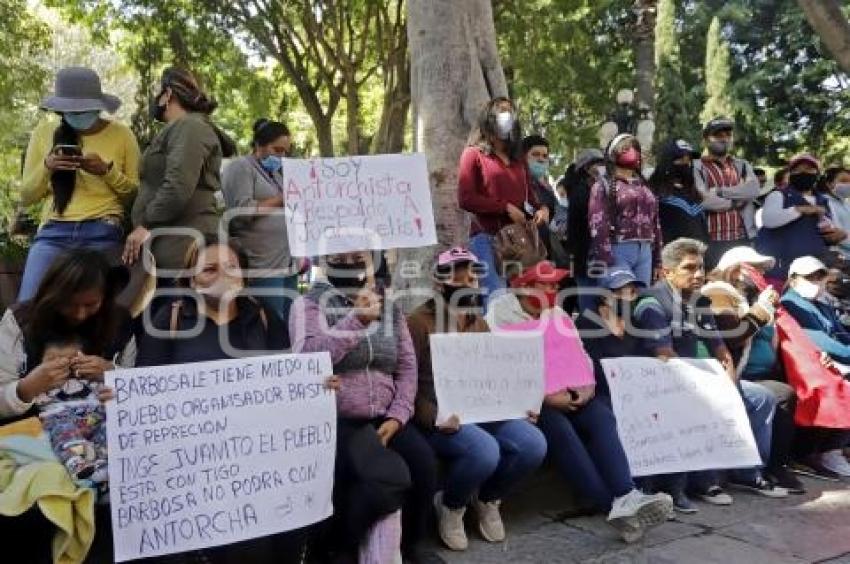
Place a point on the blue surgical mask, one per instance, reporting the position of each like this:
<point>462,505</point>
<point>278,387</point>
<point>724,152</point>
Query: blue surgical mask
<point>538,170</point>
<point>81,121</point>
<point>842,189</point>
<point>271,163</point>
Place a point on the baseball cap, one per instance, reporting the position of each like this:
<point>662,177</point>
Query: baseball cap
<point>744,255</point>
<point>804,158</point>
<point>453,257</point>
<point>805,266</point>
<point>678,149</point>
<point>588,156</point>
<point>718,124</point>
<point>616,279</point>
<point>543,271</point>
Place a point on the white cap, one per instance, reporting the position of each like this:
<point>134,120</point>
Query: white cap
<point>805,266</point>
<point>744,255</point>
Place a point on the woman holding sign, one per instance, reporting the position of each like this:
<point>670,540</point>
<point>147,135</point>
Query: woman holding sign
<point>489,458</point>
<point>494,185</point>
<point>580,428</point>
<point>253,191</point>
<point>379,454</point>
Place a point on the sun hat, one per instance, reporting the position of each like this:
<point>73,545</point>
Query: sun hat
<point>745,255</point>
<point>804,158</point>
<point>77,89</point>
<point>543,271</point>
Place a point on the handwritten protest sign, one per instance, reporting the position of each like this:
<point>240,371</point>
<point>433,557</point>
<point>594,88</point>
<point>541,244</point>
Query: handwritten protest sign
<point>483,377</point>
<point>345,204</point>
<point>566,364</point>
<point>679,416</point>
<point>213,453</point>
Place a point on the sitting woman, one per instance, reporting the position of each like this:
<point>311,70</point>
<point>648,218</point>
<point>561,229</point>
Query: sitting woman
<point>231,326</point>
<point>378,454</point>
<point>745,317</point>
<point>74,303</point>
<point>488,458</point>
<point>580,428</point>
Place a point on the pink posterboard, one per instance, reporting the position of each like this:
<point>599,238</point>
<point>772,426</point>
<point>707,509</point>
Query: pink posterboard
<point>566,363</point>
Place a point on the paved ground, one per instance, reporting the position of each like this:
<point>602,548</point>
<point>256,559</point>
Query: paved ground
<point>800,529</point>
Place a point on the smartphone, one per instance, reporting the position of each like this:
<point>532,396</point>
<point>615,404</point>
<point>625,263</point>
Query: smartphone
<point>68,150</point>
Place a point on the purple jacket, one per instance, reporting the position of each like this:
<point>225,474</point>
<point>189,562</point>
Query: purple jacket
<point>367,391</point>
<point>637,219</point>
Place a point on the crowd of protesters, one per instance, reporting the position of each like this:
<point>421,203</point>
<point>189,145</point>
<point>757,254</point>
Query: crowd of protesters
<point>700,252</point>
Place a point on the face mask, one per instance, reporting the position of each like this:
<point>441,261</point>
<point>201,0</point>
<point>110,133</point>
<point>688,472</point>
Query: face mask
<point>563,201</point>
<point>504,125</point>
<point>808,290</point>
<point>842,190</point>
<point>538,169</point>
<point>272,163</point>
<point>348,277</point>
<point>719,148</point>
<point>803,181</point>
<point>222,286</point>
<point>683,173</point>
<point>470,298</point>
<point>547,301</point>
<point>82,121</point>
<point>630,158</point>
<point>156,111</point>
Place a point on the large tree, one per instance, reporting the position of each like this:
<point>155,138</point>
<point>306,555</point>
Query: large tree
<point>673,116</point>
<point>717,75</point>
<point>830,23</point>
<point>455,70</point>
<point>644,46</point>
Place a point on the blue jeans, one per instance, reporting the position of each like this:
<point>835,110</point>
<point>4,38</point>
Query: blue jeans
<point>489,457</point>
<point>481,246</point>
<point>56,237</point>
<point>587,451</point>
<point>635,256</point>
<point>279,303</point>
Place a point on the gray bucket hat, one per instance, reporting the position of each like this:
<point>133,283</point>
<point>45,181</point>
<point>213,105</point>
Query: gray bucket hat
<point>77,89</point>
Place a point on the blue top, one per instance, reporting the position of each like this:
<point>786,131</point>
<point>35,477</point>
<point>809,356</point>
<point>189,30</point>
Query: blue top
<point>763,356</point>
<point>821,323</point>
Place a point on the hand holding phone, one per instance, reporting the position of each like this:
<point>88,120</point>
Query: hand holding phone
<point>63,157</point>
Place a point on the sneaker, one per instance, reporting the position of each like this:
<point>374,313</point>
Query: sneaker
<point>648,510</point>
<point>762,487</point>
<point>629,529</point>
<point>683,504</point>
<point>450,524</point>
<point>834,461</point>
<point>716,496</point>
<point>784,478</point>
<point>811,467</point>
<point>490,520</point>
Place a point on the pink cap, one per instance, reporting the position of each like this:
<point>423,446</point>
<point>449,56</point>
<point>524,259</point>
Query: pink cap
<point>804,158</point>
<point>456,255</point>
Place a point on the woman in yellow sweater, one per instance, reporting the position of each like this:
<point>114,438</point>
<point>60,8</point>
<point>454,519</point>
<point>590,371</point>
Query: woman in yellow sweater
<point>86,167</point>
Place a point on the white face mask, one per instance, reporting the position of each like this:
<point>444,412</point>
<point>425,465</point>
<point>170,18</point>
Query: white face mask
<point>842,189</point>
<point>504,124</point>
<point>806,289</point>
<point>222,286</point>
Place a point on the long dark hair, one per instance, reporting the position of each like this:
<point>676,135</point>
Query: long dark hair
<point>485,132</point>
<point>186,88</point>
<point>662,181</point>
<point>63,181</point>
<point>828,177</point>
<point>190,260</point>
<point>76,271</point>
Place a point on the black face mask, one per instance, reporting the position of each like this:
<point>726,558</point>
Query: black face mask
<point>683,173</point>
<point>803,181</point>
<point>156,111</point>
<point>470,298</point>
<point>348,277</point>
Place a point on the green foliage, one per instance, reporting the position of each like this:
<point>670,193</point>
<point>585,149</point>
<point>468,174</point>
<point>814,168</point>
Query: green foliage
<point>674,118</point>
<point>717,75</point>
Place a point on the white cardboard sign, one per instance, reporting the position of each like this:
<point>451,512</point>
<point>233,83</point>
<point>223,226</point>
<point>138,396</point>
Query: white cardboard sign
<point>482,377</point>
<point>336,205</point>
<point>213,453</point>
<point>679,416</point>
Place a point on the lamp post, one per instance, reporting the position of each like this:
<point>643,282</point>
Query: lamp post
<point>628,117</point>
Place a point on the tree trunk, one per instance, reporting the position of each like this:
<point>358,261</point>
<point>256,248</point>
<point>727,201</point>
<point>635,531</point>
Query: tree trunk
<point>455,70</point>
<point>829,22</point>
<point>644,31</point>
<point>324,133</point>
<point>389,138</point>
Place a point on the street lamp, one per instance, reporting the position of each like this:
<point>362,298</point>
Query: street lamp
<point>628,117</point>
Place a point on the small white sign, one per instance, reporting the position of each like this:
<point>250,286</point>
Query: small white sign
<point>482,377</point>
<point>679,416</point>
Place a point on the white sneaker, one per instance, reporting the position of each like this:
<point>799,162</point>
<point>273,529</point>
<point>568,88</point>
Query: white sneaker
<point>834,461</point>
<point>450,524</point>
<point>629,529</point>
<point>490,520</point>
<point>647,510</point>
